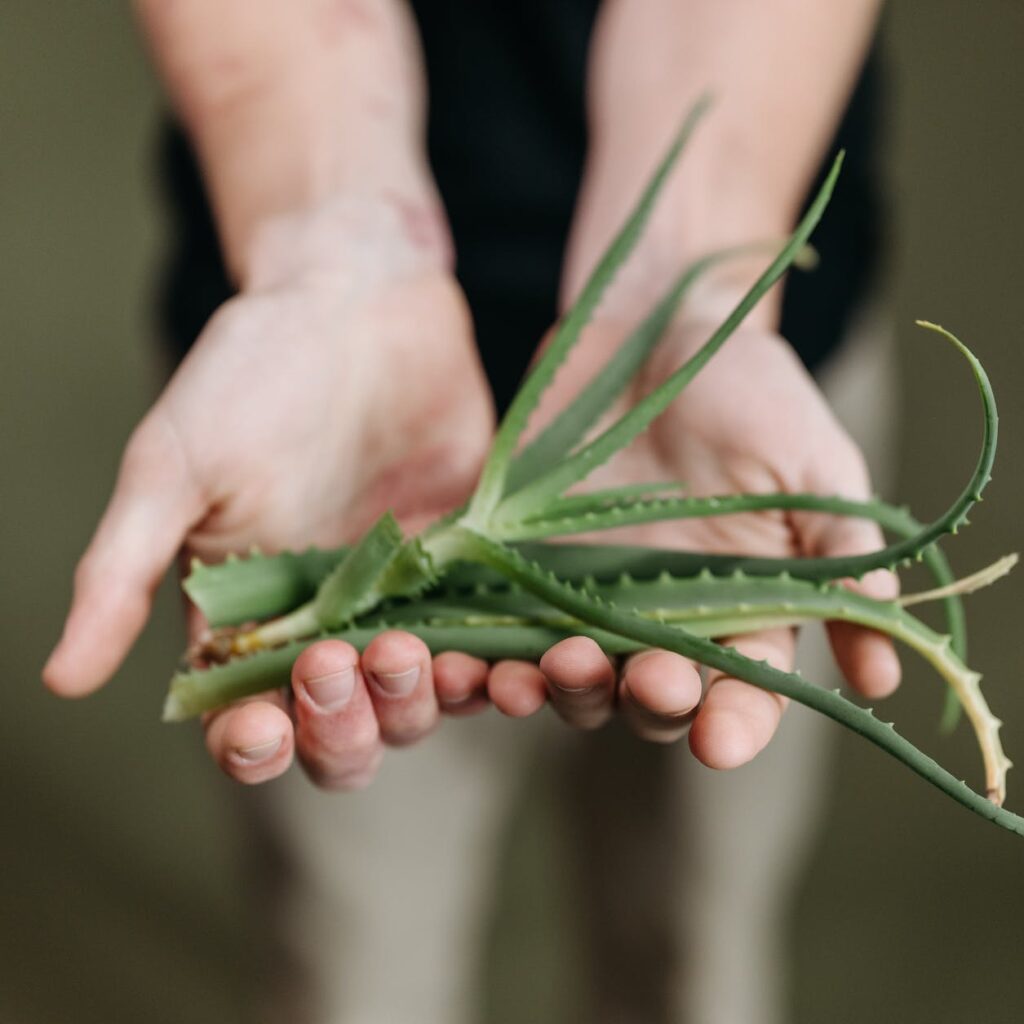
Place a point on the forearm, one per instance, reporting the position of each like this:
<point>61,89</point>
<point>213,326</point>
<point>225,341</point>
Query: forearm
<point>779,72</point>
<point>292,104</point>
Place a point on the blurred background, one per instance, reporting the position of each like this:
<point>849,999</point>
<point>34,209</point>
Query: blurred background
<point>125,891</point>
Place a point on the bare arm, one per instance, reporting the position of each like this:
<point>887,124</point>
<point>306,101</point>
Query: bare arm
<point>292,104</point>
<point>780,73</point>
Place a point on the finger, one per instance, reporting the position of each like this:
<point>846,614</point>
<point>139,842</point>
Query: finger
<point>252,741</point>
<point>517,688</point>
<point>659,694</point>
<point>737,720</point>
<point>460,682</point>
<point>400,679</point>
<point>153,506</point>
<point>867,659</point>
<point>580,682</point>
<point>337,738</point>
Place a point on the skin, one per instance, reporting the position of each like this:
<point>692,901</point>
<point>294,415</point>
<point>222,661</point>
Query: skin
<point>726,435</point>
<point>289,424</point>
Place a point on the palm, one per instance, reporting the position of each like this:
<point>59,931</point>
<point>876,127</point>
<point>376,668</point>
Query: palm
<point>752,421</point>
<point>372,403</point>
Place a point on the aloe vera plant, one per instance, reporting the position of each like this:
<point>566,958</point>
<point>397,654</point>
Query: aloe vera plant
<point>484,579</point>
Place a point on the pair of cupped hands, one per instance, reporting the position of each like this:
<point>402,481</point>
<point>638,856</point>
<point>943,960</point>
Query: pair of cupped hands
<point>344,380</point>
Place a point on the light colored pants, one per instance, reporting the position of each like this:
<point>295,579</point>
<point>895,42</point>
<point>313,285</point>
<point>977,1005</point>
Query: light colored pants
<point>685,874</point>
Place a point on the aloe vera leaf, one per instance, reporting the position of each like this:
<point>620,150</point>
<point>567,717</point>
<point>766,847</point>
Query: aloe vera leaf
<point>559,437</point>
<point>912,548</point>
<point>195,691</point>
<point>966,585</point>
<point>557,522</point>
<point>576,515</point>
<point>241,590</point>
<point>710,606</point>
<point>492,480</point>
<point>502,621</point>
<point>592,610</point>
<point>380,565</point>
<point>234,592</point>
<point>237,591</point>
<point>587,501</point>
<point>580,464</point>
<point>707,606</point>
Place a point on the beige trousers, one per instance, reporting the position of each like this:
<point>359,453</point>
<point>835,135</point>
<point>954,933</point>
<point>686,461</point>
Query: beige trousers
<point>683,876</point>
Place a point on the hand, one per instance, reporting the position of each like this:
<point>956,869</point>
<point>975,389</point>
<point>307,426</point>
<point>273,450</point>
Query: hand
<point>752,421</point>
<point>342,381</point>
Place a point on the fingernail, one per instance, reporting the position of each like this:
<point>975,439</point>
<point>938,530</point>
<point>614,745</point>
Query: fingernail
<point>260,752</point>
<point>332,691</point>
<point>397,684</point>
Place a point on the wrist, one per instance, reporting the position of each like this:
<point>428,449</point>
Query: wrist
<point>365,237</point>
<point>709,204</point>
<point>309,178</point>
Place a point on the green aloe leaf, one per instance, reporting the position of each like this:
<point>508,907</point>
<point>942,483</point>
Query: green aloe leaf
<point>535,495</point>
<point>571,425</point>
<point>590,609</point>
<point>496,468</point>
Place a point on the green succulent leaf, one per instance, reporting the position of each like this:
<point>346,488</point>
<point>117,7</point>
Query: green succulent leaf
<point>571,425</point>
<point>496,468</point>
<point>590,609</point>
<point>535,495</point>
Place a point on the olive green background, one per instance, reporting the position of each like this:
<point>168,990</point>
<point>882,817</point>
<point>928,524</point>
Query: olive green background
<point>121,892</point>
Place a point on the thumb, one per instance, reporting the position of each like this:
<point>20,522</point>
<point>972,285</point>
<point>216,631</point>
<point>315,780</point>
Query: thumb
<point>154,504</point>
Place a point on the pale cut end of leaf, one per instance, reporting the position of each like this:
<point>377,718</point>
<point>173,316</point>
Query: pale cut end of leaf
<point>173,710</point>
<point>968,585</point>
<point>299,623</point>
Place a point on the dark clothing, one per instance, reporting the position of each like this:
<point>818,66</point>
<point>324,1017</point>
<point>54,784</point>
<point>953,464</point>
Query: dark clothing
<point>507,142</point>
